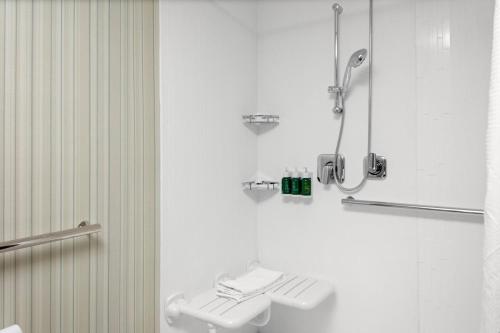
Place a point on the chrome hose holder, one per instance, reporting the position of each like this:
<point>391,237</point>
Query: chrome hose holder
<point>337,92</point>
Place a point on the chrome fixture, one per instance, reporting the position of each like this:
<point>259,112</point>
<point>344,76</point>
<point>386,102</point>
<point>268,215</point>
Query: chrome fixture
<point>328,164</point>
<point>261,118</point>
<point>335,89</point>
<point>267,185</point>
<point>356,60</point>
<point>352,201</point>
<point>375,166</point>
<point>83,229</point>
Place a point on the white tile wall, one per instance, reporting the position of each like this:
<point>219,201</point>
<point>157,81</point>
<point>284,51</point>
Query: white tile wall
<point>453,44</point>
<point>393,271</point>
<point>208,80</point>
<point>364,253</point>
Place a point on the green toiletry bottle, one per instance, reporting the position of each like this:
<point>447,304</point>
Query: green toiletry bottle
<point>306,183</point>
<point>296,188</point>
<point>286,182</point>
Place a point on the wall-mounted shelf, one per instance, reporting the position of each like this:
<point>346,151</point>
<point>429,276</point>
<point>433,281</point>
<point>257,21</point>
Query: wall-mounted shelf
<point>261,119</point>
<point>260,185</point>
<point>294,291</point>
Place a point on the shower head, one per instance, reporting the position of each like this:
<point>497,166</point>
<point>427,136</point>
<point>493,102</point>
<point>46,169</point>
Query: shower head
<point>356,60</point>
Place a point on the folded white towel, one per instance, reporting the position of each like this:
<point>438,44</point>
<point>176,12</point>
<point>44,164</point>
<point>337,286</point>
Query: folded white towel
<point>252,284</point>
<point>12,329</point>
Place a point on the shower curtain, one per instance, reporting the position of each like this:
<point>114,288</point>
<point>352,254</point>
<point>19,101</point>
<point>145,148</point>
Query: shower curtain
<point>491,262</point>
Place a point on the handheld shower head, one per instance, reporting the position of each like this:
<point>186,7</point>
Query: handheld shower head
<point>356,60</point>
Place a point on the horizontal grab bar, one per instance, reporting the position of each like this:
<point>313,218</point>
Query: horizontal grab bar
<point>352,201</point>
<point>83,229</point>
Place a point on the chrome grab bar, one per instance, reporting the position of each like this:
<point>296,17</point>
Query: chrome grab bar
<point>350,200</point>
<point>84,228</point>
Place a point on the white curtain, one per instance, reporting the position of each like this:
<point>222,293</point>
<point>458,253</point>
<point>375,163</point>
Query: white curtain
<point>491,263</point>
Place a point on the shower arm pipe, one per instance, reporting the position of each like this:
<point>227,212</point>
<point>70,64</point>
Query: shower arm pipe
<point>337,9</point>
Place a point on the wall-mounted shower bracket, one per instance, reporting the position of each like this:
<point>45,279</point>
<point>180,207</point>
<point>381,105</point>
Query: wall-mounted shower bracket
<point>377,166</point>
<point>327,165</point>
<point>334,89</point>
<point>171,307</point>
<point>337,92</point>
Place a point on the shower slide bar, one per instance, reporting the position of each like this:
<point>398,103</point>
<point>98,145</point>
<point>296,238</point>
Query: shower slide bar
<point>84,228</point>
<point>351,201</point>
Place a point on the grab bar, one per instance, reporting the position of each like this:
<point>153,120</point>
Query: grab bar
<point>351,201</point>
<point>84,228</point>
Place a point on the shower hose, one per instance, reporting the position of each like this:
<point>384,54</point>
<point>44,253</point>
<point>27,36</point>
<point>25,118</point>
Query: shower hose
<point>342,115</point>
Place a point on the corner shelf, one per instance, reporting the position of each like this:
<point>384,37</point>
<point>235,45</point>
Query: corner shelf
<point>261,119</point>
<point>260,185</point>
<point>295,291</point>
<point>268,121</point>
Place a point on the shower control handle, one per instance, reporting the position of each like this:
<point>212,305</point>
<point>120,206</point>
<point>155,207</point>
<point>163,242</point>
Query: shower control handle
<point>326,174</point>
<point>330,166</point>
<point>377,166</point>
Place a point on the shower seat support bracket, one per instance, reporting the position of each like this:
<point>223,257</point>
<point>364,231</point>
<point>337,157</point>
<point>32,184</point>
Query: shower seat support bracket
<point>171,309</point>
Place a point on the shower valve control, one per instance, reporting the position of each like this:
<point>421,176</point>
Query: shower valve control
<point>377,166</point>
<point>331,167</point>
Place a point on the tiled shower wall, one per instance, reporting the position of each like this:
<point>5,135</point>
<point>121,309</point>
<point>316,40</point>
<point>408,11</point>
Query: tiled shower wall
<point>208,80</point>
<point>77,142</point>
<point>394,271</point>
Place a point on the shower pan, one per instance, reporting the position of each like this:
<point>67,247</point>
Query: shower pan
<point>331,167</point>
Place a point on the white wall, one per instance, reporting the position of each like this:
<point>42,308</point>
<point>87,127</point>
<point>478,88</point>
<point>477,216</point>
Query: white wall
<point>393,271</point>
<point>208,80</point>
